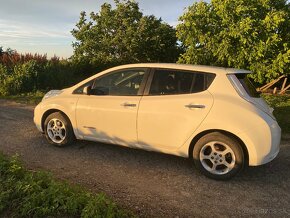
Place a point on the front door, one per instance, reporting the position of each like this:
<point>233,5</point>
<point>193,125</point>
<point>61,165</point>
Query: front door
<point>109,114</point>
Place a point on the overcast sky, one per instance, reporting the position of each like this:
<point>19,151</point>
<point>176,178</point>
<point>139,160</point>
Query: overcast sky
<point>43,26</point>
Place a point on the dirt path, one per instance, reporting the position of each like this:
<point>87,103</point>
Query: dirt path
<point>150,184</point>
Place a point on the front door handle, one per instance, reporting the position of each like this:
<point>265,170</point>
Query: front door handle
<point>126,104</point>
<point>200,106</point>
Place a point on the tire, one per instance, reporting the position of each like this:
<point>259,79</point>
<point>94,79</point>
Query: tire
<point>218,156</point>
<point>58,130</point>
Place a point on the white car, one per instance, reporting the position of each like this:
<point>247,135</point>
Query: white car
<point>212,115</point>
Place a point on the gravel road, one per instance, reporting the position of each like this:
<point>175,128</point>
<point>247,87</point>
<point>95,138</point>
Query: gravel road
<point>150,184</point>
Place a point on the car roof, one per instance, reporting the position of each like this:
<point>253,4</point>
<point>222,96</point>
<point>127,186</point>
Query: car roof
<point>190,67</point>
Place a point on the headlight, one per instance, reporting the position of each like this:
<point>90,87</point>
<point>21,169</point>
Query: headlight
<point>52,93</point>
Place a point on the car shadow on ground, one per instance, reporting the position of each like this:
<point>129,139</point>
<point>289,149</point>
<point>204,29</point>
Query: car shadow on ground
<point>147,160</point>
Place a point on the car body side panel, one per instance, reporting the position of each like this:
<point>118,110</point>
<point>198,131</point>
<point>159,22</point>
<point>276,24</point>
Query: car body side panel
<point>106,119</point>
<point>64,103</point>
<point>166,121</point>
<point>258,131</point>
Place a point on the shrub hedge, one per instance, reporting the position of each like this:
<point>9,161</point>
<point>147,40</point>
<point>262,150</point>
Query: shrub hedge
<point>31,73</point>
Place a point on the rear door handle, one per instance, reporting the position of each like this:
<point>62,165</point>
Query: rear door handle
<point>126,104</point>
<point>200,106</point>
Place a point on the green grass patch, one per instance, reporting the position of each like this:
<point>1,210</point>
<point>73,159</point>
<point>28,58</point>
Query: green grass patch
<point>281,105</point>
<point>27,194</point>
<point>31,98</point>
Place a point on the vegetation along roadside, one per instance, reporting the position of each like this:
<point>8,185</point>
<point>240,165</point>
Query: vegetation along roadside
<point>37,194</point>
<point>281,106</point>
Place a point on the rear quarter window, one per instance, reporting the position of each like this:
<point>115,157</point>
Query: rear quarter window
<point>247,85</point>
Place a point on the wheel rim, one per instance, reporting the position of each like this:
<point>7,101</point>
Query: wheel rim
<point>217,158</point>
<point>56,130</point>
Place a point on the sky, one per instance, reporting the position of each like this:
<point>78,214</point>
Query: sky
<point>43,26</point>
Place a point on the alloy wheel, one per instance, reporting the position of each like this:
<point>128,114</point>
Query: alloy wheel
<point>56,130</point>
<point>217,157</point>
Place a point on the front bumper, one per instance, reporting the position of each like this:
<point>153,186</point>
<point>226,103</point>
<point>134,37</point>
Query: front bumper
<point>38,117</point>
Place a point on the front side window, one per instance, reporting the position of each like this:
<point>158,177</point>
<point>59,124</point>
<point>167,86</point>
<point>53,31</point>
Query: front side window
<point>125,83</point>
<point>171,82</point>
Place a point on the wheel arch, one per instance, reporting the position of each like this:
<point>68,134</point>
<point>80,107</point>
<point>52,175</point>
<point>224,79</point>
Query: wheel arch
<point>229,134</point>
<point>50,111</point>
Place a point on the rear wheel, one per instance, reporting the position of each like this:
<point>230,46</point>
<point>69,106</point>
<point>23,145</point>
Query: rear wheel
<point>218,156</point>
<point>58,129</point>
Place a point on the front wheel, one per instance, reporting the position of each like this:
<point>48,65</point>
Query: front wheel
<point>58,129</point>
<point>218,156</point>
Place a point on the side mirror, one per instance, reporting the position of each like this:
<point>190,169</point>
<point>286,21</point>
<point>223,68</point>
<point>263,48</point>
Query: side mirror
<point>87,90</point>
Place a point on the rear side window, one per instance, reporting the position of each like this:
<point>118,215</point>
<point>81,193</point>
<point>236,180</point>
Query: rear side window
<point>172,82</point>
<point>247,85</point>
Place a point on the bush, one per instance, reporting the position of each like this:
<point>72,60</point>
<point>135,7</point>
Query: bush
<point>32,76</point>
<point>281,105</point>
<point>30,73</point>
<point>27,194</point>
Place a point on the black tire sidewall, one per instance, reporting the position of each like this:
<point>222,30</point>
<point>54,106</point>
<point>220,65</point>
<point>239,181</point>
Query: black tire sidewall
<point>69,131</point>
<point>231,142</point>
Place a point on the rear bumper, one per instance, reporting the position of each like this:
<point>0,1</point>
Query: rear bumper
<point>275,143</point>
<point>263,146</point>
<point>271,156</point>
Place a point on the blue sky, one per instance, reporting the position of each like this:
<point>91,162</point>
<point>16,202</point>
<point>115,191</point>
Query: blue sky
<point>43,26</point>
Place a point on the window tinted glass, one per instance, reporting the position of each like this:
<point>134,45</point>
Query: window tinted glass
<point>119,83</point>
<point>170,82</point>
<point>248,86</point>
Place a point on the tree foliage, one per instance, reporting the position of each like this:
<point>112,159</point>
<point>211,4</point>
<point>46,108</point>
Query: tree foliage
<point>123,35</point>
<point>8,51</point>
<point>253,35</point>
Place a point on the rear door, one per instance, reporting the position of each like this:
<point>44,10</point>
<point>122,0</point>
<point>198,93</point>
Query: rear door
<point>175,105</point>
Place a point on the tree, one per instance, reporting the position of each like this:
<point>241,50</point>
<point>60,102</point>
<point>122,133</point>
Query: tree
<point>9,51</point>
<point>123,35</point>
<point>253,35</point>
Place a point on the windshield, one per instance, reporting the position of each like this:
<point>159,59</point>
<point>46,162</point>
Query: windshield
<point>248,86</point>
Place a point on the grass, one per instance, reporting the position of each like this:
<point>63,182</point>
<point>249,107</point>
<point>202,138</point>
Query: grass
<point>281,105</point>
<point>27,194</point>
<point>31,98</point>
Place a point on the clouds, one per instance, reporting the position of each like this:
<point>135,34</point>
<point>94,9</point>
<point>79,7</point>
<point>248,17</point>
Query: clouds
<point>30,37</point>
<point>12,29</point>
<point>44,26</point>
<point>41,26</point>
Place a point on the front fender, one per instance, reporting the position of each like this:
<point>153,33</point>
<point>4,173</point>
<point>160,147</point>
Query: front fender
<point>66,105</point>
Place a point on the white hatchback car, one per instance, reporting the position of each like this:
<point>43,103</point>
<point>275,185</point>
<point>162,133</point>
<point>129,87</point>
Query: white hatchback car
<point>209,114</point>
